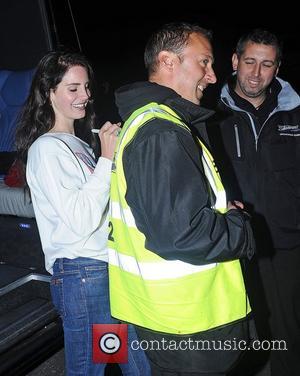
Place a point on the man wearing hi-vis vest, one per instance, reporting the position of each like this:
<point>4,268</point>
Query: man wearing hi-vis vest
<point>174,245</point>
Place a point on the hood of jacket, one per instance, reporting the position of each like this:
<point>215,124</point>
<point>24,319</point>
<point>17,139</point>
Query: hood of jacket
<point>133,96</point>
<point>288,99</point>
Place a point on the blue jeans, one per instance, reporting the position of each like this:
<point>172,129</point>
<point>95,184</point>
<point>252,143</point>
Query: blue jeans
<point>80,293</point>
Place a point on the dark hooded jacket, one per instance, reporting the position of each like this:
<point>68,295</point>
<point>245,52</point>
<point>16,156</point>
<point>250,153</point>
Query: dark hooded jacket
<point>167,192</point>
<point>167,189</point>
<point>258,153</point>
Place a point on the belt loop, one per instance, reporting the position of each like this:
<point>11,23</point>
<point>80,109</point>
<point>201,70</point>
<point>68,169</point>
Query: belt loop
<point>61,264</point>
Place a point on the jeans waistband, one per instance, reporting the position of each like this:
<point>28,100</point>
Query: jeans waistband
<point>62,264</point>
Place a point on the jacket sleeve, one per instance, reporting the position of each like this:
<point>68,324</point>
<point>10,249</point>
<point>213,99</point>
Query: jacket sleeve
<point>54,174</point>
<point>168,194</point>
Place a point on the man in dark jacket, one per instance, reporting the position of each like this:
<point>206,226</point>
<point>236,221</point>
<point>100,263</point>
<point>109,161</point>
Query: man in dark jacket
<point>256,140</point>
<point>174,246</point>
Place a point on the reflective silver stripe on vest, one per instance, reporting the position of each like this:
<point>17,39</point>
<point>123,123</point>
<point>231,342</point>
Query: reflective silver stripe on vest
<point>135,123</point>
<point>125,215</point>
<point>155,270</point>
<point>220,195</point>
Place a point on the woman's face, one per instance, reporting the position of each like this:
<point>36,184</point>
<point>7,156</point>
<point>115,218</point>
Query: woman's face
<point>71,95</point>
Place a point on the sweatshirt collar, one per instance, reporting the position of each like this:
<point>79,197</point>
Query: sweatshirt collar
<point>288,99</point>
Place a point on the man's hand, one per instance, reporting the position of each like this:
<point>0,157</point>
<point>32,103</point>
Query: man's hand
<point>235,205</point>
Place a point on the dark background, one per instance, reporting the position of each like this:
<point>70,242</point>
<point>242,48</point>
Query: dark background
<point>114,39</point>
<point>115,42</point>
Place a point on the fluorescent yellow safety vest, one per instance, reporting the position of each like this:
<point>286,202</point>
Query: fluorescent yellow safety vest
<point>149,291</point>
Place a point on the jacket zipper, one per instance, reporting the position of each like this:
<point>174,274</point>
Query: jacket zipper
<point>237,141</point>
<point>254,130</point>
<point>256,136</point>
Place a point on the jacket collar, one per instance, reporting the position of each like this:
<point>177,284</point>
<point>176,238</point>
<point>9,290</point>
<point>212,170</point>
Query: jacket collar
<point>288,99</point>
<point>133,96</point>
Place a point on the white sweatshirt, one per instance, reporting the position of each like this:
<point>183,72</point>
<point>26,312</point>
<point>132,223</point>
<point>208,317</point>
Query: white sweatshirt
<point>70,197</point>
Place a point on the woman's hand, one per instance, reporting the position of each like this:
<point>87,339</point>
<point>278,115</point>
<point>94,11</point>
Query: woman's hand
<point>108,135</point>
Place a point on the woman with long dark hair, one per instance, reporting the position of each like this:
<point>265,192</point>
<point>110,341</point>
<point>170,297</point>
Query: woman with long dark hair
<point>70,194</point>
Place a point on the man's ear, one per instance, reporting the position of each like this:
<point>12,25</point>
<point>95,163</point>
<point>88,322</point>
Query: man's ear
<point>235,61</point>
<point>166,60</point>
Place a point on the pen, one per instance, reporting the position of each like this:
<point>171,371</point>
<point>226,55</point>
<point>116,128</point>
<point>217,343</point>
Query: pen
<point>117,132</point>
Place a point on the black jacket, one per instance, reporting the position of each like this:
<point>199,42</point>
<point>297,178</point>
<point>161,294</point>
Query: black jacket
<point>167,188</point>
<point>168,195</point>
<point>258,153</point>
